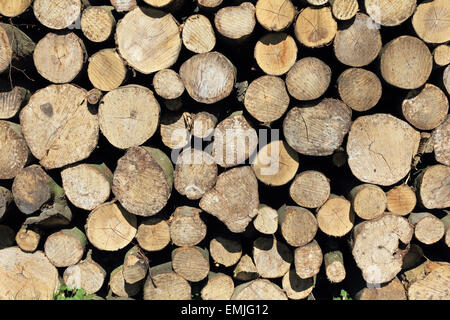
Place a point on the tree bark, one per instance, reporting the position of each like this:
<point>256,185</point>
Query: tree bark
<point>310,189</point>
<point>270,48</point>
<point>186,227</point>
<point>13,44</point>
<point>106,70</point>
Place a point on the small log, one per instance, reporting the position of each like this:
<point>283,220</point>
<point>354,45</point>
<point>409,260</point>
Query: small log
<point>434,286</point>
<point>198,34</point>
<point>87,185</point>
<point>298,225</point>
<point>148,39</point>
<point>143,180</point>
<point>164,284</point>
<point>308,79</point>
<point>12,101</point>
<point>26,276</point>
<point>359,51</point>
<point>209,4</point>
<point>174,129</point>
<point>380,148</point>
<point>225,251</point>
<point>236,22</point>
<point>334,266</point>
<point>275,15</point>
<point>269,91</point>
<point>219,287</point>
<point>5,200</point>
<point>295,287</point>
<point>344,9</point>
<point>168,84</point>
<point>129,116</point>
<point>58,126</point>
<point>272,258</point>
<point>270,48</point>
<point>429,21</point>
<point>433,188</point>
<point>446,222</point>
<point>186,227</point>
<point>97,23</point>
<point>394,290</point>
<point>441,55</point>
<point>401,200</point>
<point>123,5</point>
<point>308,260</point>
<point>390,14</point>
<point>192,263</point>
<point>266,221</point>
<point>259,289</point>
<point>32,188</point>
<point>135,266</point>
<point>119,287</point>
<point>93,96</point>
<point>6,237</point>
<point>360,89</point>
<point>214,71</point>
<point>203,124</point>
<point>376,247</point>
<point>276,163</point>
<point>57,14</point>
<point>425,108</point>
<point>235,140</point>
<point>13,44</point>
<point>28,238</point>
<point>106,70</point>
<point>195,173</point>
<point>368,201</point>
<point>245,269</point>
<point>441,145</point>
<point>335,217</point>
<point>315,27</point>
<point>109,227</point>
<point>15,153</point>
<point>428,229</point>
<point>310,189</point>
<point>234,199</point>
<point>406,62</point>
<point>86,274</point>
<point>13,8</point>
<point>65,247</point>
<point>317,130</point>
<point>153,234</point>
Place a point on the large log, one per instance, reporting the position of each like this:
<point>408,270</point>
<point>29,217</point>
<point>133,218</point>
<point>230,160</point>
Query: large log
<point>430,21</point>
<point>432,283</point>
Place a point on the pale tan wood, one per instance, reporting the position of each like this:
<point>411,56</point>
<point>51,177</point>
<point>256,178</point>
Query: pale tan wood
<point>401,200</point>
<point>153,234</point>
<point>143,180</point>
<point>335,217</point>
<point>15,152</point>
<point>259,289</point>
<point>266,221</point>
<point>94,96</point>
<point>186,226</point>
<point>28,238</point>
<point>58,126</point>
<point>310,189</point>
<point>446,222</point>
<point>203,124</point>
<point>219,287</point>
<point>272,258</point>
<point>334,266</point>
<point>119,287</point>
<point>433,286</point>
<point>168,84</point>
<point>344,9</point>
<point>394,290</point>
<point>380,148</point>
<point>245,269</point>
<point>135,265</point>
<point>270,92</point>
<point>308,79</point>
<point>57,14</point>
<point>368,201</point>
<point>164,284</point>
<point>97,23</point>
<point>41,280</point>
<point>13,8</point>
<point>236,22</point>
<point>441,142</point>
<point>308,260</point>
<point>148,39</point>
<point>425,108</point>
<point>225,251</point>
<point>65,247</point>
<point>129,116</point>
<point>390,13</point>
<point>298,225</point>
<point>123,5</point>
<point>433,187</point>
<point>360,89</point>
<point>12,101</point>
<point>214,71</point>
<point>376,247</point>
<point>109,227</point>
<point>406,62</point>
<point>209,4</point>
<point>234,198</point>
<point>317,2</point>
<point>275,53</point>
<point>441,55</point>
<point>295,287</point>
<point>428,229</point>
<point>106,70</point>
<point>275,15</point>
<point>198,34</point>
<point>315,27</point>
<point>319,129</point>
<point>430,21</point>
<point>162,3</point>
<point>174,129</point>
<point>192,263</point>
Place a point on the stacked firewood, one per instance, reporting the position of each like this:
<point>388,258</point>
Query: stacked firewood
<point>269,149</point>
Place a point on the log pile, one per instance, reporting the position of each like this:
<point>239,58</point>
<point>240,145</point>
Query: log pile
<point>232,150</point>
